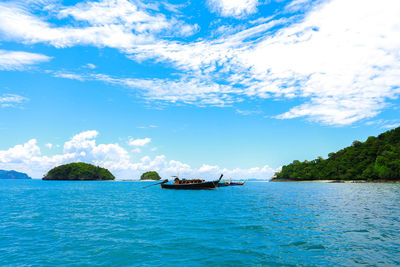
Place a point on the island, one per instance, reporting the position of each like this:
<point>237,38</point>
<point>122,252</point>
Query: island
<point>375,160</point>
<point>79,171</point>
<point>13,175</point>
<point>152,175</point>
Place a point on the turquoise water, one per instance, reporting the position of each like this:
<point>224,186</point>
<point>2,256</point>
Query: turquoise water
<point>260,224</point>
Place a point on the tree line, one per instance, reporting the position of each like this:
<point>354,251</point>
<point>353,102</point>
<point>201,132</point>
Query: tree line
<point>78,171</point>
<point>378,158</point>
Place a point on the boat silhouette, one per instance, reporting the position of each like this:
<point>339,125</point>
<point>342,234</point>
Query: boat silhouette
<point>190,184</point>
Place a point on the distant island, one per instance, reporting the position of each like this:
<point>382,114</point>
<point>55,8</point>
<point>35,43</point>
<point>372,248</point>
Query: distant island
<point>153,175</point>
<point>376,159</point>
<point>79,171</point>
<point>14,175</point>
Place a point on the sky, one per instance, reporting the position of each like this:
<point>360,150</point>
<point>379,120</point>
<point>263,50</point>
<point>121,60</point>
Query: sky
<point>195,88</point>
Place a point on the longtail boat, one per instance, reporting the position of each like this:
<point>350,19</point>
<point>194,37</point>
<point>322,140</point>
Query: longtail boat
<point>190,184</point>
<point>229,183</point>
<point>237,183</point>
<point>223,184</point>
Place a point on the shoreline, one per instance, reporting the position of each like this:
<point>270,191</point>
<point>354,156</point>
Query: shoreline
<point>338,181</point>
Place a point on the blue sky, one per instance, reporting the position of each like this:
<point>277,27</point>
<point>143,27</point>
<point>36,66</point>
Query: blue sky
<point>196,87</point>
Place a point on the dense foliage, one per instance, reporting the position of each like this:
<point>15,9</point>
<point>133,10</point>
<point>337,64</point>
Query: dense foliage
<point>150,176</point>
<point>378,158</point>
<point>78,171</point>
<point>13,175</point>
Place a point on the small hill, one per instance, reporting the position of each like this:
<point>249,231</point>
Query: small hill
<point>79,171</point>
<point>14,175</point>
<point>378,158</point>
<point>150,176</point>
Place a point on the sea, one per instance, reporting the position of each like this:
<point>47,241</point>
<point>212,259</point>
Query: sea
<point>72,223</point>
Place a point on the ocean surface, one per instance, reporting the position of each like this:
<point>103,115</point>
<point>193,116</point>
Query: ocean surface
<point>55,223</point>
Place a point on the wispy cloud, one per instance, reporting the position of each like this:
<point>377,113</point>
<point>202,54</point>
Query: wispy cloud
<point>345,69</point>
<point>384,124</point>
<point>248,112</point>
<point>297,5</point>
<point>69,75</point>
<point>18,60</point>
<point>12,100</point>
<point>90,66</point>
<point>118,24</point>
<point>137,150</point>
<point>146,127</point>
<point>139,142</point>
<point>172,7</point>
<point>337,59</point>
<point>233,8</point>
<point>390,126</point>
<point>188,89</point>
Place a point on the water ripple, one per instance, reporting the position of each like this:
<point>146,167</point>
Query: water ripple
<point>259,224</point>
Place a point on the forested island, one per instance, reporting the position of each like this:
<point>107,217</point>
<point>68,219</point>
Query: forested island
<point>153,175</point>
<point>14,175</point>
<point>376,159</point>
<point>79,171</point>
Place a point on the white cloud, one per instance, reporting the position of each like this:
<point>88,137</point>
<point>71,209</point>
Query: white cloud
<point>68,75</point>
<point>149,126</point>
<point>296,5</point>
<point>233,8</point>
<point>248,112</point>
<point>190,90</point>
<point>391,126</point>
<point>341,60</point>
<point>137,150</point>
<point>346,67</point>
<point>384,124</point>
<point>205,56</point>
<point>90,66</point>
<point>139,142</point>
<point>83,148</point>
<point>20,153</point>
<point>119,24</point>
<point>17,60</point>
<point>11,100</point>
<point>172,7</point>
<point>49,145</point>
<point>82,140</point>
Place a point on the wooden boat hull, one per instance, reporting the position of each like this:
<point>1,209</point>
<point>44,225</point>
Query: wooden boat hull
<point>230,183</point>
<point>205,185</point>
<point>237,183</point>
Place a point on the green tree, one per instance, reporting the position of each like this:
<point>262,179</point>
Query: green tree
<point>387,165</point>
<point>78,171</point>
<point>152,175</point>
<point>376,158</point>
